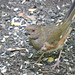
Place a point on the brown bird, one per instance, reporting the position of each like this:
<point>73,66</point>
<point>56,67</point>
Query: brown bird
<point>51,37</point>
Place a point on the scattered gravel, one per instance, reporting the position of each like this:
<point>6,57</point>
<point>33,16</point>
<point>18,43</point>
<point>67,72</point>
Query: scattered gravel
<point>18,62</point>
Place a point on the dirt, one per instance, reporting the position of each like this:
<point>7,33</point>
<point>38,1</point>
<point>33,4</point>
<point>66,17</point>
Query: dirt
<point>19,62</point>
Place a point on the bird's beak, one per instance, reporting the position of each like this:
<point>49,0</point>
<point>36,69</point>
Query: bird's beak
<point>26,32</point>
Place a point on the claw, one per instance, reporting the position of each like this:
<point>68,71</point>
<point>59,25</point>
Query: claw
<point>55,65</point>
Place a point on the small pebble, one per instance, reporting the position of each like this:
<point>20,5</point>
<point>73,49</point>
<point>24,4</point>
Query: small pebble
<point>8,52</point>
<point>67,63</point>
<point>16,9</point>
<point>58,7</point>
<point>2,6</point>
<point>31,54</point>
<point>23,54</point>
<point>70,68</point>
<point>65,59</point>
<point>3,70</point>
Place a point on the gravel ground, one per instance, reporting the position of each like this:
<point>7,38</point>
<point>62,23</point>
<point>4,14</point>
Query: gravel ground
<point>12,37</point>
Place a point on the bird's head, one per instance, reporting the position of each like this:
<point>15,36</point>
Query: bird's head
<point>34,31</point>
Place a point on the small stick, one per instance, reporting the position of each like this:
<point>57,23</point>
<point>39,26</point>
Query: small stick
<point>40,57</point>
<point>10,49</point>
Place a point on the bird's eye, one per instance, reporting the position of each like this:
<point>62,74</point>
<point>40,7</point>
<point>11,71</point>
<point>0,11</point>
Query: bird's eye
<point>33,30</point>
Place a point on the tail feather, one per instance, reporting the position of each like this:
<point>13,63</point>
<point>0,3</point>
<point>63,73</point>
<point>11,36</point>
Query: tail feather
<point>68,18</point>
<point>64,25</point>
<point>71,13</point>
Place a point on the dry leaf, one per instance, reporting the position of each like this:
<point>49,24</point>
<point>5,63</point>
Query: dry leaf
<point>20,14</point>
<point>50,59</point>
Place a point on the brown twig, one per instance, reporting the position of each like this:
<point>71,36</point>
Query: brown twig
<point>11,49</point>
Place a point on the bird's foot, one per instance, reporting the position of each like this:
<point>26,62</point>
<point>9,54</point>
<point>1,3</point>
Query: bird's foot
<point>55,65</point>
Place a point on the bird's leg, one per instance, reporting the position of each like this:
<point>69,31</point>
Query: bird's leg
<point>43,48</point>
<point>40,57</point>
<point>58,61</point>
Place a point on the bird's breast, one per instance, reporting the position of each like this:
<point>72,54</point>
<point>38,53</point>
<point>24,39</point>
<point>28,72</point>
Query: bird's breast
<point>36,44</point>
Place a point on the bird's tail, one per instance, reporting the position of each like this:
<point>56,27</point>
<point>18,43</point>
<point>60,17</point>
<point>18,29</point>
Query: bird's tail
<point>71,13</point>
<point>66,22</point>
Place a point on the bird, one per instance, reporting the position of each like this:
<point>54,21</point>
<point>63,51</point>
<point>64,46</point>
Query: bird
<point>51,37</point>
